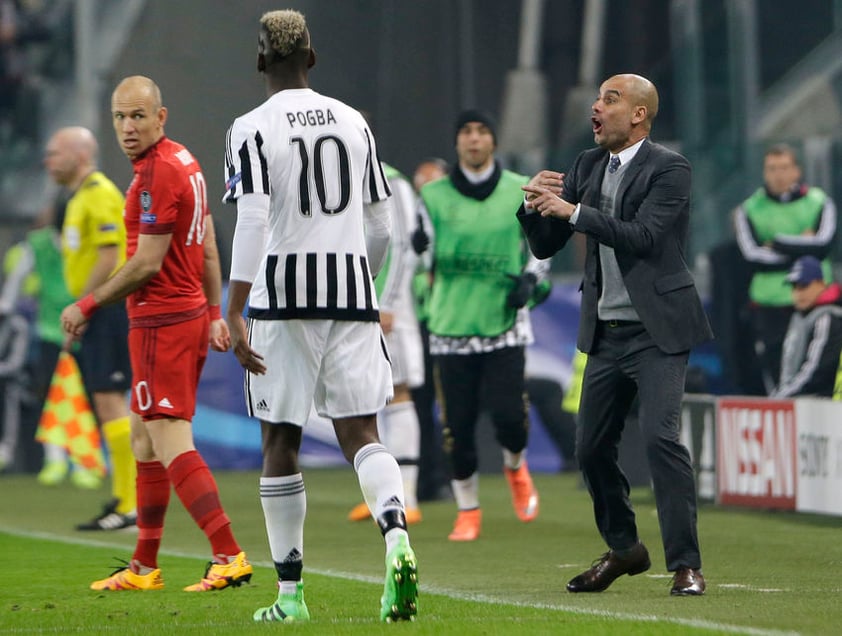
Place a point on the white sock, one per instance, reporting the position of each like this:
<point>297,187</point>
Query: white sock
<point>393,536</point>
<point>402,437</point>
<point>284,508</point>
<point>288,588</point>
<point>380,479</point>
<point>466,492</point>
<point>513,460</point>
<point>54,453</point>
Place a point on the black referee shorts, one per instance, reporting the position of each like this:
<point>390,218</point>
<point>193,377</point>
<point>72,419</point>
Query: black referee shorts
<point>104,355</point>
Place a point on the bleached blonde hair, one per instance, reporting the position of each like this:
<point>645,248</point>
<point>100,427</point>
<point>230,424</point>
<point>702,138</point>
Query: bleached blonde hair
<point>287,30</point>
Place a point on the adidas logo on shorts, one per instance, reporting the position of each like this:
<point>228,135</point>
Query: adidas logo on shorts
<point>165,403</point>
<point>261,406</point>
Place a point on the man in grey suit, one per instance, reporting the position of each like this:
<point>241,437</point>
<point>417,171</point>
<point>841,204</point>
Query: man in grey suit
<point>640,317</point>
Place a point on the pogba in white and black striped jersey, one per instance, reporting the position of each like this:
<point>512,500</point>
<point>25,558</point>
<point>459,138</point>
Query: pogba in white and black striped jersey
<point>316,159</point>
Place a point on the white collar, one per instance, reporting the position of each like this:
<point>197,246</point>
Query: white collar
<point>478,177</point>
<point>627,154</point>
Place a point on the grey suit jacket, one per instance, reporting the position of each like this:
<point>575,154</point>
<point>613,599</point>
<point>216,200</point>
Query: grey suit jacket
<point>649,237</point>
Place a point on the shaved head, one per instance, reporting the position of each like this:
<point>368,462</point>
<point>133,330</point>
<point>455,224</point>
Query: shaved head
<point>139,87</point>
<point>137,115</point>
<point>71,155</point>
<point>641,92</point>
<point>623,111</point>
<point>80,140</point>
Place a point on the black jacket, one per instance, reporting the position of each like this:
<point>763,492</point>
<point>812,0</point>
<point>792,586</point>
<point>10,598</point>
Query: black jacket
<point>649,237</point>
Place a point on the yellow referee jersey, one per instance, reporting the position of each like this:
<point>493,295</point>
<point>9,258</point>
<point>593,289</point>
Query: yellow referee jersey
<point>93,219</point>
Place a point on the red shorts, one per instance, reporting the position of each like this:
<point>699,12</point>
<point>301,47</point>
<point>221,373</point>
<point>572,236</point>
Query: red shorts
<point>167,362</point>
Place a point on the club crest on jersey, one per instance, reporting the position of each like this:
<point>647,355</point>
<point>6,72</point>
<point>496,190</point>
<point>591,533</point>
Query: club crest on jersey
<point>145,200</point>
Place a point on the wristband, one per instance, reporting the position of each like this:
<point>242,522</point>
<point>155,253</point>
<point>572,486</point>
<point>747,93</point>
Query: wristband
<point>215,312</point>
<point>87,305</point>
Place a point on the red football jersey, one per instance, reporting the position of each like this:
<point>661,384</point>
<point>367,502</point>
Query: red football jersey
<point>168,196</point>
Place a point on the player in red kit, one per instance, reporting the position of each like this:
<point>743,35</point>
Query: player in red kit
<point>173,288</point>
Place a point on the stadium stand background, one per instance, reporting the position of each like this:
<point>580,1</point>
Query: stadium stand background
<point>734,75</point>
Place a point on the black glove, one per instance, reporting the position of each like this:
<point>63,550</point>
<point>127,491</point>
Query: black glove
<point>420,239</point>
<point>522,291</point>
<point>541,293</point>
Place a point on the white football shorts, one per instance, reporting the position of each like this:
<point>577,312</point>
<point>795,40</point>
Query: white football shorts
<point>341,367</point>
<point>406,348</point>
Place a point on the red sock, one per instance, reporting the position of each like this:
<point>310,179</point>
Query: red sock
<point>153,497</point>
<point>195,486</point>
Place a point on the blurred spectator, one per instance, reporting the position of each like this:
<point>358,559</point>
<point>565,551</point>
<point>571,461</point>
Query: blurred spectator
<point>34,269</point>
<point>814,337</point>
<point>427,170</point>
<point>780,222</point>
<point>11,71</point>
<point>432,477</point>
<point>14,339</point>
<point>20,25</point>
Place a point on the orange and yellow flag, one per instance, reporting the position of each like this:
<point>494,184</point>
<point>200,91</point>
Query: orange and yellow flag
<point>67,419</point>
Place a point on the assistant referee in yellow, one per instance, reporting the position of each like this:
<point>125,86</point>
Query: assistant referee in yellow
<point>93,242</point>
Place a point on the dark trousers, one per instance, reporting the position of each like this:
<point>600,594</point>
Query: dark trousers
<point>492,382</point>
<point>770,325</point>
<point>625,362</point>
<point>431,470</point>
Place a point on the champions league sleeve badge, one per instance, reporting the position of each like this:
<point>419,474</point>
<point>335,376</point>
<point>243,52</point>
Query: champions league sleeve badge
<point>146,205</point>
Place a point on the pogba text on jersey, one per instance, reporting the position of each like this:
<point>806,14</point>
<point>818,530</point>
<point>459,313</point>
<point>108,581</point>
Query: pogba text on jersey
<point>315,117</point>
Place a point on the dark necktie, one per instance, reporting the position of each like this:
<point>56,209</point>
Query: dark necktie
<point>613,164</point>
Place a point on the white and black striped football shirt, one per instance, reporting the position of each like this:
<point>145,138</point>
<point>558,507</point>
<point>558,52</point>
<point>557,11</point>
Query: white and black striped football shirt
<point>316,159</point>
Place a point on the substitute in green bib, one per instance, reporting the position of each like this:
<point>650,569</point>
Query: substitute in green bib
<point>483,278</point>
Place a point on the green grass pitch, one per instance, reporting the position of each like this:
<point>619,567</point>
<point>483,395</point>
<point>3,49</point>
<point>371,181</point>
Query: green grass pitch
<point>767,573</point>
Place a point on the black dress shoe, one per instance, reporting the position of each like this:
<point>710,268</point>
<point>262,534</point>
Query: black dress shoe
<point>688,582</point>
<point>609,567</point>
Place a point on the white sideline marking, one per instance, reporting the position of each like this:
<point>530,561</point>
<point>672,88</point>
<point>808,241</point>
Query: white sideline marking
<point>482,598</point>
<point>440,591</point>
<point>730,586</point>
<point>751,588</point>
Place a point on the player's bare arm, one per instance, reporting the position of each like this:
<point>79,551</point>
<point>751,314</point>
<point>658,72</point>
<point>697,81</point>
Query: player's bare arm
<point>238,293</point>
<point>134,274</point>
<point>220,338</point>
